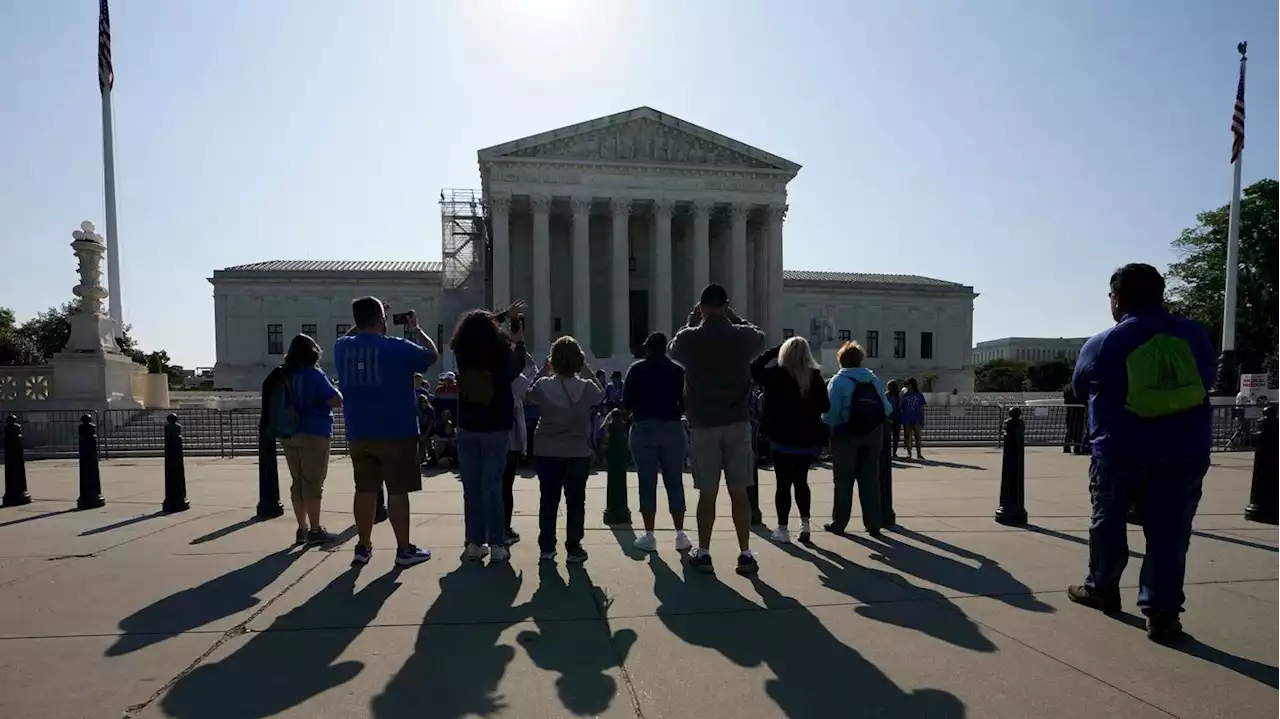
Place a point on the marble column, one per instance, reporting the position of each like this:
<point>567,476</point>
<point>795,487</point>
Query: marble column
<point>662,267</point>
<point>739,295</point>
<point>500,212</point>
<point>620,299</point>
<point>701,248</point>
<point>776,214</point>
<point>541,274</point>
<point>582,272</point>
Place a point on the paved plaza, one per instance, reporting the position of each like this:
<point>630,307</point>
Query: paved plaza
<point>124,611</point>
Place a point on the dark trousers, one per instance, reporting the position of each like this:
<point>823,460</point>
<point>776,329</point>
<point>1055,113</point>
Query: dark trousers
<point>508,482</point>
<point>897,435</point>
<point>791,470</point>
<point>887,516</point>
<point>1173,487</point>
<point>855,460</point>
<point>567,475</point>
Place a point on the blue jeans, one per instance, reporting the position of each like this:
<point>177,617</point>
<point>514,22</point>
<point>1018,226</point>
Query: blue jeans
<point>1170,489</point>
<point>481,459</point>
<point>556,476</point>
<point>659,445</point>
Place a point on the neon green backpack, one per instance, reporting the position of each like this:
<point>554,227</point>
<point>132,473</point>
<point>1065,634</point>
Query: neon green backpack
<point>1163,378</point>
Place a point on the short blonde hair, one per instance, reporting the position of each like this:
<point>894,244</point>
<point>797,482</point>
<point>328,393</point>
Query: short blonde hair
<point>850,355</point>
<point>566,357</point>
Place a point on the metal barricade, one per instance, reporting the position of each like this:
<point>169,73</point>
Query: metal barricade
<point>50,434</point>
<point>960,425</point>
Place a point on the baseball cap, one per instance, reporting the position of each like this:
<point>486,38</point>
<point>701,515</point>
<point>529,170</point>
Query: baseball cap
<point>713,295</point>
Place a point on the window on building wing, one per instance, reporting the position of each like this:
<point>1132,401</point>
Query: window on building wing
<point>275,339</point>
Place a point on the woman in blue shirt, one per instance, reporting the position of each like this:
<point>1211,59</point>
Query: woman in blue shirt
<point>913,403</point>
<point>306,450</point>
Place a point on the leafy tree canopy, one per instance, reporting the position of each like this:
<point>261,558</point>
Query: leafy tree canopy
<point>1197,280</point>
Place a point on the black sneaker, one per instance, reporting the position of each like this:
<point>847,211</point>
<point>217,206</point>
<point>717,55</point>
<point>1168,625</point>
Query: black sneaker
<point>874,532</point>
<point>747,564</point>
<point>833,528</point>
<point>575,555</point>
<point>1164,628</point>
<point>700,560</point>
<point>512,536</point>
<point>320,536</point>
<point>300,537</point>
<point>1081,595</point>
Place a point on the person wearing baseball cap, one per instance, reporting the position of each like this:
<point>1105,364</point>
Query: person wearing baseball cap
<point>716,348</point>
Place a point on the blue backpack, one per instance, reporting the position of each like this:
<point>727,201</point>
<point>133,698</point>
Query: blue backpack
<point>282,411</point>
<point>866,409</point>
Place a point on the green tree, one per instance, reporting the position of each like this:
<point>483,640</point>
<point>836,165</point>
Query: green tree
<point>50,330</point>
<point>1197,280</point>
<point>1051,376</point>
<point>999,375</point>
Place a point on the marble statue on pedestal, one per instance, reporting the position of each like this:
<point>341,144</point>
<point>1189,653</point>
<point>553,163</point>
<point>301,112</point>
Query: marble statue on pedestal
<point>822,329</point>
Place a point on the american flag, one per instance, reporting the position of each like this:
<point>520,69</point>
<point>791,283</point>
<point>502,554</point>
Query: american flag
<point>106,76</point>
<point>1237,117</point>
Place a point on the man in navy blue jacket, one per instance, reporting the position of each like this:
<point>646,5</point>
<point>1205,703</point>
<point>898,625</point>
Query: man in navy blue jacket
<point>1147,383</point>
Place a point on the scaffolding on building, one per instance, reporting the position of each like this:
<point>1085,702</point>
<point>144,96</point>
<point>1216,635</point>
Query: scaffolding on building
<point>464,251</point>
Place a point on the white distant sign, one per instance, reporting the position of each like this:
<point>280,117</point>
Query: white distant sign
<point>1253,382</point>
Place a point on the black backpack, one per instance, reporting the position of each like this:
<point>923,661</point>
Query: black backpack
<point>866,409</point>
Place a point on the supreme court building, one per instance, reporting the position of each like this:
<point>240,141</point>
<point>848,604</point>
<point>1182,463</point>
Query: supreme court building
<point>609,229</point>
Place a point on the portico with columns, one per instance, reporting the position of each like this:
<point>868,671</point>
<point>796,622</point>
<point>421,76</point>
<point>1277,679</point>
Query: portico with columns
<point>610,229</point>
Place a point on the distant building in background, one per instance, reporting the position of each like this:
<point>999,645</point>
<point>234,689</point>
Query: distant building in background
<point>1028,349</point>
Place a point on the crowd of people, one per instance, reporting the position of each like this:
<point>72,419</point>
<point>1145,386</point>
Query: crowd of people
<point>716,396</point>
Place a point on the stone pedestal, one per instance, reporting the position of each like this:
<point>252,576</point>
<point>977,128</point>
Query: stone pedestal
<point>93,380</point>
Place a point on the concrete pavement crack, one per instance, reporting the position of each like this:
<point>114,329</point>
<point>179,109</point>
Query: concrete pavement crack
<point>602,609</point>
<point>237,630</point>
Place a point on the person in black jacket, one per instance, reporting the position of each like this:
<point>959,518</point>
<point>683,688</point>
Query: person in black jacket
<point>488,358</point>
<point>795,398</point>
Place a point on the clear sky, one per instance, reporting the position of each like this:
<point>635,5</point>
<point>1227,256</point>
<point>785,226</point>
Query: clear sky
<point>1025,147</point>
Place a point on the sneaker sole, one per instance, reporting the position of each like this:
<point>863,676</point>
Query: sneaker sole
<point>748,570</point>
<point>411,562</point>
<point>575,560</point>
<point>359,561</point>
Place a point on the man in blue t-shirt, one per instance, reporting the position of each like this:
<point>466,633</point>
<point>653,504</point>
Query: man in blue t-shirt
<point>376,373</point>
<point>1146,381</point>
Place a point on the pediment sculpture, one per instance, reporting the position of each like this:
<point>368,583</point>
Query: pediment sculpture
<point>641,140</point>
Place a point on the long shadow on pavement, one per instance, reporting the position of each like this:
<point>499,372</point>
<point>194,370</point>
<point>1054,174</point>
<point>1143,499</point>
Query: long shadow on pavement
<point>579,652</point>
<point>195,607</point>
<point>987,579</point>
<point>849,578</point>
<point>1188,644</point>
<point>121,524</point>
<point>279,669</point>
<point>1071,538</point>
<point>455,668</point>
<point>1235,540</point>
<point>221,532</point>
<point>815,673</point>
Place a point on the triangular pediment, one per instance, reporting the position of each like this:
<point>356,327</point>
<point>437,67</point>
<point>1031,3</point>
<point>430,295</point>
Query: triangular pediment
<point>643,135</point>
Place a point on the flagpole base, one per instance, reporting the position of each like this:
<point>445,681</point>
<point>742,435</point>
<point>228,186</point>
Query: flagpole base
<point>1226,380</point>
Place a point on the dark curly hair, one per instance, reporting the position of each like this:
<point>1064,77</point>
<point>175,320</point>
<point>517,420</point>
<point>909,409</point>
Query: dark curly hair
<point>479,341</point>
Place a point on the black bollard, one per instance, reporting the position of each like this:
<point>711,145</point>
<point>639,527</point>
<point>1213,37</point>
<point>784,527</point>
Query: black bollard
<point>269,506</point>
<point>888,518</point>
<point>380,512</point>
<point>1012,510</point>
<point>175,474</point>
<point>617,456</point>
<point>15,465</point>
<point>90,478</point>
<point>1262,491</point>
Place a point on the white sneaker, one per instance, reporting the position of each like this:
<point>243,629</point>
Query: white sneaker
<point>475,552</point>
<point>499,555</point>
<point>782,535</point>
<point>646,543</point>
<point>682,542</point>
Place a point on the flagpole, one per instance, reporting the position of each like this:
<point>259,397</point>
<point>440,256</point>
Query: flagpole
<point>1226,380</point>
<point>113,248</point>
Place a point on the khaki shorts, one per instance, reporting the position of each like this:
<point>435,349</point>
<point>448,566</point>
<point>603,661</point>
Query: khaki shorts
<point>390,462</point>
<point>308,458</point>
<point>722,449</point>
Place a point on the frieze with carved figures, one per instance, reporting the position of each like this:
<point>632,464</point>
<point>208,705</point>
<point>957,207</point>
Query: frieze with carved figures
<point>642,140</point>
